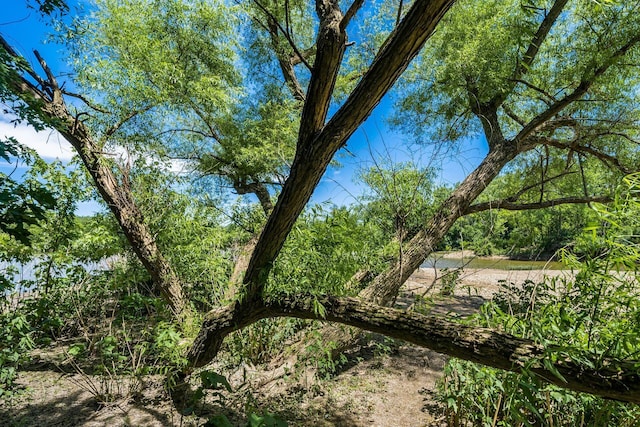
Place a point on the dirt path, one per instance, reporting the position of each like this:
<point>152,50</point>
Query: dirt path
<point>477,282</point>
<point>384,383</point>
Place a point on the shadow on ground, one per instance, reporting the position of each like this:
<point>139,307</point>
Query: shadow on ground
<point>57,402</point>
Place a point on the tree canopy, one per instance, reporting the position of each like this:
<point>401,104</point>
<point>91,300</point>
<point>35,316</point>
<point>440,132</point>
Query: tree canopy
<point>261,95</point>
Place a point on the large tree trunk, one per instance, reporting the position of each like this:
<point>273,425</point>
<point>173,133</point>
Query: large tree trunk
<point>612,379</point>
<point>49,104</point>
<point>319,141</point>
<point>384,288</point>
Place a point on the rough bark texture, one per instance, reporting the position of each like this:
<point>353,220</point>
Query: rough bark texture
<point>611,379</point>
<point>240,267</point>
<point>317,142</point>
<point>50,105</point>
<point>219,323</point>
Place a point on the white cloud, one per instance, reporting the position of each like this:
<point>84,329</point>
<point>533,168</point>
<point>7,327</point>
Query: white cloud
<point>49,144</point>
<point>180,167</point>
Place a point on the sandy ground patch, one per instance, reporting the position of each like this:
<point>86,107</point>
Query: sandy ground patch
<point>384,384</point>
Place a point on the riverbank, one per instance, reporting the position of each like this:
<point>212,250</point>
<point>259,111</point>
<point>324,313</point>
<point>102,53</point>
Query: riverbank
<point>468,260</point>
<point>383,383</point>
<point>484,282</point>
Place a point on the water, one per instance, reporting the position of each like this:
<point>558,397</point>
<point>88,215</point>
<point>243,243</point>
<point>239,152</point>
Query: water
<point>494,263</point>
<point>25,275</point>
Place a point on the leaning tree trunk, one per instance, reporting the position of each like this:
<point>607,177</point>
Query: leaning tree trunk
<point>51,108</point>
<point>608,378</point>
<point>385,286</point>
<point>130,218</point>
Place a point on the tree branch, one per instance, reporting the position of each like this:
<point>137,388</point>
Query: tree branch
<point>605,158</point>
<point>195,131</point>
<point>609,378</point>
<point>286,34</point>
<point>533,49</point>
<point>257,188</point>
<point>330,50</point>
<point>583,87</point>
<point>351,12</point>
<point>114,128</point>
<point>506,204</point>
<point>523,190</point>
<point>541,34</point>
<point>512,115</point>
<point>19,83</point>
<point>51,79</point>
<point>286,65</point>
<point>307,53</point>
<point>317,143</point>
<point>86,101</point>
<point>550,98</point>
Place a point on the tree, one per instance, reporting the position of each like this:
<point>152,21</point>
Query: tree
<point>493,68</point>
<point>23,203</point>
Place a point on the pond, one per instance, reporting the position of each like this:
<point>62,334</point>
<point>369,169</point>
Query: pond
<point>442,260</point>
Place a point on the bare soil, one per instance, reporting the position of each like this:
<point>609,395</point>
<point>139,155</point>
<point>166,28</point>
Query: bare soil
<point>383,383</point>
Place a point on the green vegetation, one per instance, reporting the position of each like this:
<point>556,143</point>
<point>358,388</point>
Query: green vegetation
<point>595,312</point>
<point>228,261</point>
<point>23,203</point>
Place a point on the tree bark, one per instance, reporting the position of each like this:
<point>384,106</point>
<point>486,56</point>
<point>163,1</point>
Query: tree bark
<point>506,204</point>
<point>386,285</point>
<point>318,142</point>
<point>608,378</point>
<point>49,104</point>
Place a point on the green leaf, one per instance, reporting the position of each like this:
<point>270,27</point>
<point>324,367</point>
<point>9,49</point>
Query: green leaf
<point>213,381</point>
<point>218,421</point>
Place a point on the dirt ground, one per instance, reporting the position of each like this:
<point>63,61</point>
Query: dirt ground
<point>384,383</point>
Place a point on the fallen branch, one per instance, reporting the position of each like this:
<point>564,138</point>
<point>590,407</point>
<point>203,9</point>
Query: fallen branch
<point>608,378</point>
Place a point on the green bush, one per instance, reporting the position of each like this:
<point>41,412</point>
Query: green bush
<point>591,316</point>
<point>15,343</point>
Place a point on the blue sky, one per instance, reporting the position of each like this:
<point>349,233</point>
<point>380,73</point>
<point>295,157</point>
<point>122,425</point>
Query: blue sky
<point>25,30</point>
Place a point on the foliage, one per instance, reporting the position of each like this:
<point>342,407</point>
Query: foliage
<point>322,356</point>
<point>337,237</point>
<point>449,281</point>
<point>188,96</point>
<point>15,342</point>
<point>36,221</point>
<point>255,420</point>
<point>483,396</point>
<point>398,197</point>
<point>49,7</point>
<point>23,203</point>
<point>531,234</point>
<point>189,233</point>
<point>215,385</point>
<point>593,313</point>
<point>174,80</point>
<point>479,46</point>
<point>121,359</point>
<point>262,341</point>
